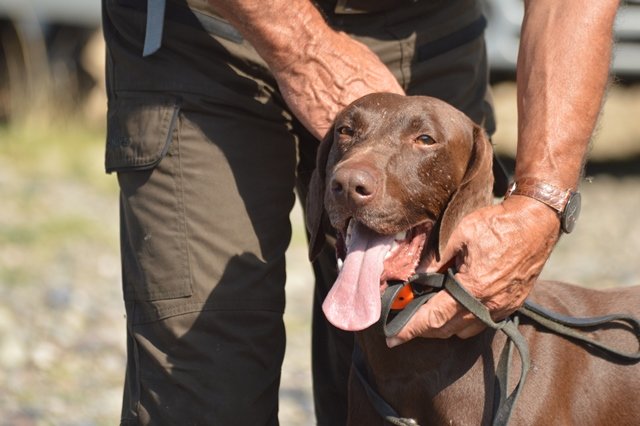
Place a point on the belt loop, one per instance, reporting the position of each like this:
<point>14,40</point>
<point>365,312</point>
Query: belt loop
<point>155,22</point>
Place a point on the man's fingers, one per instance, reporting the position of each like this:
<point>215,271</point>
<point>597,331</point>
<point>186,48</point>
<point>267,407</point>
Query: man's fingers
<point>442,317</point>
<point>449,254</point>
<point>473,329</point>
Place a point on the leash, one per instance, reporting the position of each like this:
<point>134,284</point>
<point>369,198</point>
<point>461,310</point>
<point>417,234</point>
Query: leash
<point>383,408</point>
<point>403,299</point>
<point>566,325</point>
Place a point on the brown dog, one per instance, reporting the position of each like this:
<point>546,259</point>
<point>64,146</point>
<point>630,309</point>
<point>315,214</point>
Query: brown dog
<point>394,177</point>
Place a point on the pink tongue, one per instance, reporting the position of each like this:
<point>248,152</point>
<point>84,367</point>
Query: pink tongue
<point>354,300</point>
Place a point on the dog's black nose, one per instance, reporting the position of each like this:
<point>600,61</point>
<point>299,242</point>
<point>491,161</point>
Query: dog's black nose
<point>356,186</point>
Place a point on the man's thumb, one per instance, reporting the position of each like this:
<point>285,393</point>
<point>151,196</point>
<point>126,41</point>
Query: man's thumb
<point>447,258</point>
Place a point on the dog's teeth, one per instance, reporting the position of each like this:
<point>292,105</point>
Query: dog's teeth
<point>394,246</point>
<point>350,226</point>
<point>340,264</point>
<point>400,236</point>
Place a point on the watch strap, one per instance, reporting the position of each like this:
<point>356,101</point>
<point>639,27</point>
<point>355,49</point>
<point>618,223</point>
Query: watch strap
<point>544,192</point>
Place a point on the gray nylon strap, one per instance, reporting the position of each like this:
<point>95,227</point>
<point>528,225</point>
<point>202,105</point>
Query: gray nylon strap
<point>383,408</point>
<point>392,326</point>
<point>569,327</point>
<point>508,327</point>
<point>505,401</point>
<point>155,22</point>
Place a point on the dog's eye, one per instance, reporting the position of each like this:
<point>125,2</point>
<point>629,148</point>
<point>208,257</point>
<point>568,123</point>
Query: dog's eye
<point>345,130</point>
<point>425,140</point>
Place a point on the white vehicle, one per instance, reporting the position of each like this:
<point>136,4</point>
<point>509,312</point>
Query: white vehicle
<point>41,44</point>
<point>503,34</point>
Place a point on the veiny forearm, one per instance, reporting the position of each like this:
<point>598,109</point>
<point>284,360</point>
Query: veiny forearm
<point>279,30</point>
<point>563,68</point>
<point>319,70</point>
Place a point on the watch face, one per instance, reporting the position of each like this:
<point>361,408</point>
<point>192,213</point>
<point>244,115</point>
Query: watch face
<point>571,212</point>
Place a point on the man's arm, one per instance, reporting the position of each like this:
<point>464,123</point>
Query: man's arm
<point>563,68</point>
<point>319,71</point>
<point>562,74</point>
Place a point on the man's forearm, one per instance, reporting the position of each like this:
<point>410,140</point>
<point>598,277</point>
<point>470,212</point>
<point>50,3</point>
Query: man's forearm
<point>318,70</point>
<point>563,68</point>
<point>279,30</point>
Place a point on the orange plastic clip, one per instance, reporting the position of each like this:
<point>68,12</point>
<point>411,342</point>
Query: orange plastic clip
<point>405,295</point>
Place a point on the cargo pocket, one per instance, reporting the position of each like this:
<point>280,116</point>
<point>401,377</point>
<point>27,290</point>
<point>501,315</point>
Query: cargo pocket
<point>143,148</point>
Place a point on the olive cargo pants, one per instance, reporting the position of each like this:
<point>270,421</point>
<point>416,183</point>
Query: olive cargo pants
<point>208,157</point>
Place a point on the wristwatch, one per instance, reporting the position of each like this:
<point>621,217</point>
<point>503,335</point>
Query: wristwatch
<point>564,201</point>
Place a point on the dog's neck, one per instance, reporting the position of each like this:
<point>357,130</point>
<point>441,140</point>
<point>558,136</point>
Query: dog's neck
<point>447,368</point>
<point>441,362</point>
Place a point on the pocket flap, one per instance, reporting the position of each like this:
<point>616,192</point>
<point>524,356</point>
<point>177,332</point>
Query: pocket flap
<point>139,131</point>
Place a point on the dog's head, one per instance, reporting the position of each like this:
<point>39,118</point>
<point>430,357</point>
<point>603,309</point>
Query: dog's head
<point>394,176</point>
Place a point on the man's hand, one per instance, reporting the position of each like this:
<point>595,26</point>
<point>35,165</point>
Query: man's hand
<point>498,251</point>
<point>328,77</point>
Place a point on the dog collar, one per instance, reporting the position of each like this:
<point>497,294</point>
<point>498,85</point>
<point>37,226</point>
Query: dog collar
<point>402,299</point>
<point>566,203</point>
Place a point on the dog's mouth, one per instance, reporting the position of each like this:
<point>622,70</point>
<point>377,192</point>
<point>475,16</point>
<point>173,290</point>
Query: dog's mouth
<point>403,255</point>
<point>367,261</point>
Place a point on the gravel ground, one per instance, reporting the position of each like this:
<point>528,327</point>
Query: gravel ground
<point>62,320</point>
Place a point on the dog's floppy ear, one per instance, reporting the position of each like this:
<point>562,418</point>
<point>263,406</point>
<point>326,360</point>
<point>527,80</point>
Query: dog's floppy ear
<point>314,211</point>
<point>475,189</point>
